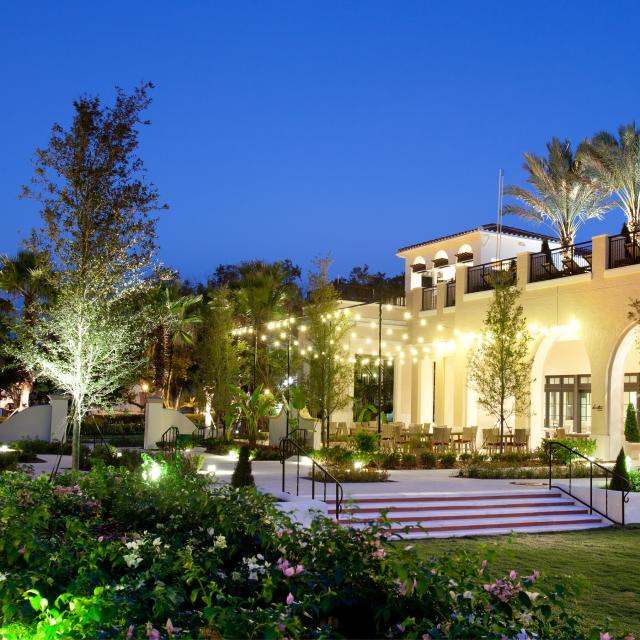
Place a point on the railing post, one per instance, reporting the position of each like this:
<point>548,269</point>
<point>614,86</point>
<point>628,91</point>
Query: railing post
<point>298,474</point>
<point>590,487</point>
<point>283,461</point>
<point>313,480</point>
<point>550,461</point>
<point>622,495</point>
<point>337,504</point>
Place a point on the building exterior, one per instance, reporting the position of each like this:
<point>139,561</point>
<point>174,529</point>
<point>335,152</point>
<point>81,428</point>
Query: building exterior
<point>585,362</point>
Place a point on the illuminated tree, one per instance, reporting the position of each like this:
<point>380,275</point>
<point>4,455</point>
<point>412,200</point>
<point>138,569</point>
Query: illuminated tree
<point>562,197</point>
<point>100,236</point>
<point>328,373</point>
<point>500,366</point>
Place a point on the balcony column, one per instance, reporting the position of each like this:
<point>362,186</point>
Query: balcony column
<point>441,296</point>
<point>461,282</point>
<point>599,257</point>
<point>522,272</point>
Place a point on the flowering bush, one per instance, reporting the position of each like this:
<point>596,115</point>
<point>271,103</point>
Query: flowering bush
<point>147,553</point>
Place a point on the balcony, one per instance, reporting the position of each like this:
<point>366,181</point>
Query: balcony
<point>561,263</point>
<point>429,298</point>
<point>451,294</point>
<point>484,276</point>
<point>624,250</point>
<point>371,293</point>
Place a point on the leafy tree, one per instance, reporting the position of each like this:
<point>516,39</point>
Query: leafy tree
<point>100,236</point>
<point>328,372</point>
<point>562,197</point>
<point>631,432</point>
<point>253,408</point>
<point>242,476</point>
<point>216,355</point>
<point>620,479</point>
<point>500,366</point>
<point>614,164</point>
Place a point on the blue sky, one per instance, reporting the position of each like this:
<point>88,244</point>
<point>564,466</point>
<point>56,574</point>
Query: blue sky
<point>297,129</point>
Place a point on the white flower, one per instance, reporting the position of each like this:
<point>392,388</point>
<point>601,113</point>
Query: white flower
<point>157,542</point>
<point>3,576</point>
<point>468,595</point>
<point>132,559</point>
<point>236,575</point>
<point>210,531</point>
<point>221,543</point>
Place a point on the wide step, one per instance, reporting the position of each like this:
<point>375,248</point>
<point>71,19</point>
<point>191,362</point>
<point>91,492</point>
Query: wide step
<point>441,515</point>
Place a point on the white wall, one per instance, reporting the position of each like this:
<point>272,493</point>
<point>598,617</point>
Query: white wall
<point>33,423</point>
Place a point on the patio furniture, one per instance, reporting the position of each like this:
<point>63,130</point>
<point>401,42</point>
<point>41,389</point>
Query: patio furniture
<point>342,429</point>
<point>520,440</point>
<point>333,429</point>
<point>491,440</point>
<point>441,438</point>
<point>467,439</point>
<point>561,432</point>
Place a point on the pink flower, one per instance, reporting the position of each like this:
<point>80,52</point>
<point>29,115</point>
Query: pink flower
<point>629,637</point>
<point>289,600</point>
<point>289,571</point>
<point>605,636</point>
<point>402,587</point>
<point>22,550</point>
<point>152,632</point>
<point>299,569</point>
<point>170,628</point>
<point>130,631</point>
<point>513,575</point>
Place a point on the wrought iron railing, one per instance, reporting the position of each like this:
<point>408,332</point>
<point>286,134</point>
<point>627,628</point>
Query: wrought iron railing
<point>370,293</point>
<point>624,250</point>
<point>451,294</point>
<point>608,474</point>
<point>484,277</point>
<point>289,448</point>
<point>198,436</point>
<point>168,441</point>
<point>561,262</point>
<point>429,298</point>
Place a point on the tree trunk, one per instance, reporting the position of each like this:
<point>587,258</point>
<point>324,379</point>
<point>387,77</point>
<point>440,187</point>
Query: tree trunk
<point>75,443</point>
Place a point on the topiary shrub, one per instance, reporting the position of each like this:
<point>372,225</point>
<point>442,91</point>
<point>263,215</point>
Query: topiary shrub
<point>448,460</point>
<point>428,459</point>
<point>409,461</point>
<point>631,432</point>
<point>242,476</point>
<point>365,442</point>
<point>620,479</point>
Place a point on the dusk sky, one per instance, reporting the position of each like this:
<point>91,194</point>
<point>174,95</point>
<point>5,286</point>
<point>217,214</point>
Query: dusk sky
<point>296,129</point>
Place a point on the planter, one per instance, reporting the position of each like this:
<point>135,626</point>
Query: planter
<point>632,449</point>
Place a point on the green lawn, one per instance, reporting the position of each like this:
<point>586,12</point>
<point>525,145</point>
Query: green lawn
<point>608,560</point>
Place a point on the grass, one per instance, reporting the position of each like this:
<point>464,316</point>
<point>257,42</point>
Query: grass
<point>605,561</point>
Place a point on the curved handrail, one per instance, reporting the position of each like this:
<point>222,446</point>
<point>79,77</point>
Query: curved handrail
<point>289,445</point>
<point>168,440</point>
<point>607,472</point>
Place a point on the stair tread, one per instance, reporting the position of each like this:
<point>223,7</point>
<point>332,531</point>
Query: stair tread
<point>392,508</point>
<point>448,497</point>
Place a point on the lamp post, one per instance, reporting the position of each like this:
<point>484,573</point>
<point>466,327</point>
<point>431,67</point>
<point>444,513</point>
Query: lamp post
<point>380,364</point>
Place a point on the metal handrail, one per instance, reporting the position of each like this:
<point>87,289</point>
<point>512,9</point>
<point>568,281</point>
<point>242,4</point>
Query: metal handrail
<point>168,440</point>
<point>607,472</point>
<point>484,277</point>
<point>288,447</point>
<point>624,250</point>
<point>198,436</point>
<point>561,262</point>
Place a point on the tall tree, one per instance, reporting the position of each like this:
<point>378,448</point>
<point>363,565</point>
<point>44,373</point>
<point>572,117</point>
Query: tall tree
<point>614,164</point>
<point>328,372</point>
<point>100,235</point>
<point>500,366</point>
<point>266,292</point>
<point>562,197</point>
<point>216,355</point>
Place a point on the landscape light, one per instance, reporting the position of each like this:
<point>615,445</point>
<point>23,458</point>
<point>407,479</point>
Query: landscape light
<point>358,464</point>
<point>153,471</point>
<point>211,469</point>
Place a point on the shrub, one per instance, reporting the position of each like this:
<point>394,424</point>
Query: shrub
<point>242,476</point>
<point>263,452</point>
<point>365,442</point>
<point>448,460</point>
<point>333,455</point>
<point>409,461</point>
<point>634,480</point>
<point>391,460</point>
<point>587,447</point>
<point>620,479</point>
<point>218,446</point>
<point>631,432</point>
<point>110,554</point>
<point>428,459</point>
<point>9,460</point>
<point>350,474</point>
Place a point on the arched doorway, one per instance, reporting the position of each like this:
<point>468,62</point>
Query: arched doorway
<point>623,385</point>
<point>560,385</point>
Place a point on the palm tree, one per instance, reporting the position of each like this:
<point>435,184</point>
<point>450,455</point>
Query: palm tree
<point>176,323</point>
<point>614,164</point>
<point>562,197</point>
<point>26,277</point>
<point>265,292</point>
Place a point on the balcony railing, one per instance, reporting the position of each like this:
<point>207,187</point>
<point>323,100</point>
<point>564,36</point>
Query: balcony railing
<point>560,263</point>
<point>624,250</point>
<point>483,277</point>
<point>429,299</point>
<point>370,293</point>
<point>451,294</point>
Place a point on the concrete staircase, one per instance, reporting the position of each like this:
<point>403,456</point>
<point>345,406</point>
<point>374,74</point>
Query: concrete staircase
<point>446,515</point>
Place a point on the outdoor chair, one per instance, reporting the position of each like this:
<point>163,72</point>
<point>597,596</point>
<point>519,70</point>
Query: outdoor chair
<point>386,437</point>
<point>521,440</point>
<point>491,440</point>
<point>441,438</point>
<point>333,429</point>
<point>468,440</point>
<point>342,429</point>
